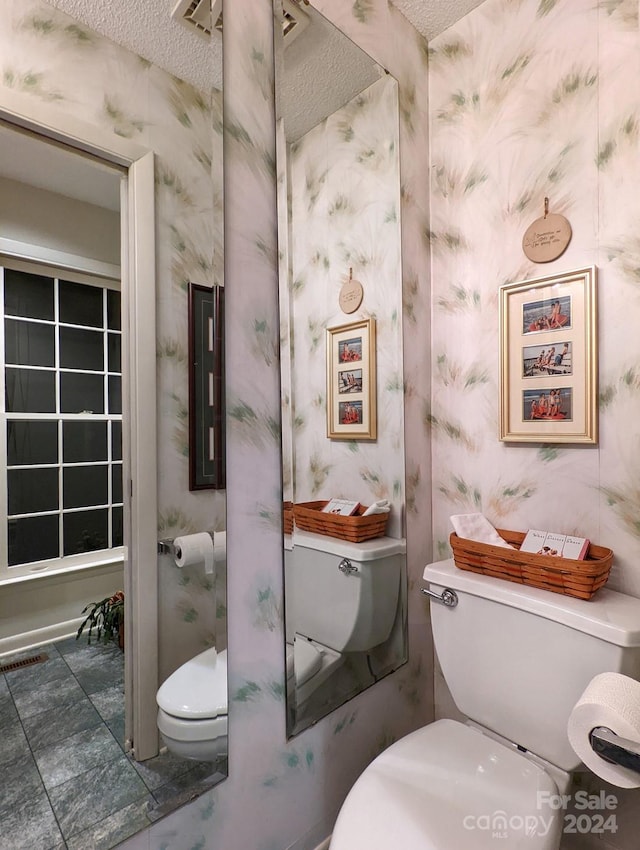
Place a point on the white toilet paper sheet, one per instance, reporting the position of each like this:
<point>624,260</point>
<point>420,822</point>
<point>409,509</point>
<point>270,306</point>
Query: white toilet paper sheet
<point>611,700</point>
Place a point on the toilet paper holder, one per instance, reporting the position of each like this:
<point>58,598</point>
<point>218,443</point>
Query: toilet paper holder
<point>615,749</point>
<point>166,547</point>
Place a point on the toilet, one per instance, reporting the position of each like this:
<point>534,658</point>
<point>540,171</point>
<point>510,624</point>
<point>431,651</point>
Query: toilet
<point>192,708</point>
<point>516,660</point>
<point>341,597</point>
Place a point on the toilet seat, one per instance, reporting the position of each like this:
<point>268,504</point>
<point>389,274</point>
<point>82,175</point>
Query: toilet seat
<point>448,787</point>
<point>303,660</point>
<point>196,691</point>
<point>192,708</point>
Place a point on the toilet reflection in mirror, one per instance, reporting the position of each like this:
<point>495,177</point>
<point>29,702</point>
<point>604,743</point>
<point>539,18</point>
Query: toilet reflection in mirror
<point>338,217</point>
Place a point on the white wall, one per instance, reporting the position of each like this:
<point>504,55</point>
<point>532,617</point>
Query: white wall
<point>47,608</point>
<point>39,217</point>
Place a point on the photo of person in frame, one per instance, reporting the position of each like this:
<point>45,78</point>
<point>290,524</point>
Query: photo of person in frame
<point>540,360</point>
<point>551,405</point>
<point>350,350</point>
<point>350,413</point>
<point>350,381</point>
<point>551,314</point>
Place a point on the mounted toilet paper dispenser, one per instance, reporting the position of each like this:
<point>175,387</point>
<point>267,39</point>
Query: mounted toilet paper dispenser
<point>615,749</point>
<point>193,549</point>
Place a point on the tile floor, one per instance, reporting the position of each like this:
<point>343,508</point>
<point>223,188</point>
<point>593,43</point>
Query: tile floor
<point>67,783</point>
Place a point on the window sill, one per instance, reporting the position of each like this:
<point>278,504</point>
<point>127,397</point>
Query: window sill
<point>108,560</point>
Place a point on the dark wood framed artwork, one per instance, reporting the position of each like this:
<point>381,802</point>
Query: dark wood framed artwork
<point>206,388</point>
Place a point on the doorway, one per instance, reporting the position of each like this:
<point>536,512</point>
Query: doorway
<point>103,156</point>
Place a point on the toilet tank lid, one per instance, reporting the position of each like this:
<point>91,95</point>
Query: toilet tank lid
<point>609,616</point>
<point>369,550</point>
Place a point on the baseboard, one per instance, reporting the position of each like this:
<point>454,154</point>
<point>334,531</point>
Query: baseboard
<point>37,637</point>
<point>324,845</point>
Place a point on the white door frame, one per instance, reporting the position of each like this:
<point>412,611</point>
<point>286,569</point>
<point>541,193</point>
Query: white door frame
<point>139,393</point>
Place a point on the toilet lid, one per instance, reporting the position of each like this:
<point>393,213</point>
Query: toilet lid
<point>198,689</point>
<point>448,787</point>
<point>305,660</point>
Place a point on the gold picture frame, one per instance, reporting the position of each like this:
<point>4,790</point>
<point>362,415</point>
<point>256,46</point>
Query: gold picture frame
<point>351,381</point>
<point>548,359</point>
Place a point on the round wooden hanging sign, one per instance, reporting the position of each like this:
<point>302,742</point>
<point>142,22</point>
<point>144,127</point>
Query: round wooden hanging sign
<point>351,296</point>
<point>547,238</point>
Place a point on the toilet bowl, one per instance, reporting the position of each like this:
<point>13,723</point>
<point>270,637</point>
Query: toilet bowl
<point>192,708</point>
<point>516,660</point>
<point>449,787</point>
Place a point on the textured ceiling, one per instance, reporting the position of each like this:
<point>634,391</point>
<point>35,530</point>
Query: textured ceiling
<point>431,17</point>
<point>323,69</point>
<point>146,28</point>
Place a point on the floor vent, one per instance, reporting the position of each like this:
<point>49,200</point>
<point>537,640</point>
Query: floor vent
<point>25,662</point>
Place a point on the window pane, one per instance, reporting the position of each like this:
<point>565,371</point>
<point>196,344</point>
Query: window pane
<point>85,531</point>
<point>33,539</point>
<point>28,295</point>
<point>116,483</point>
<point>80,393</point>
<point>83,441</point>
<point>32,490</point>
<point>85,485</point>
<point>113,344</point>
<point>29,344</point>
<point>115,394</point>
<point>116,527</point>
<point>81,349</point>
<point>114,320</point>
<point>116,440</point>
<point>31,442</point>
<point>30,392</point>
<point>80,304</point>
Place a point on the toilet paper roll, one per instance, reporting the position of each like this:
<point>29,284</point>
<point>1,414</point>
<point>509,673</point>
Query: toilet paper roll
<point>194,549</point>
<point>611,700</point>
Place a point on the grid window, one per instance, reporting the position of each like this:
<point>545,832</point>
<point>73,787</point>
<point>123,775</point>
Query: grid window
<point>62,418</point>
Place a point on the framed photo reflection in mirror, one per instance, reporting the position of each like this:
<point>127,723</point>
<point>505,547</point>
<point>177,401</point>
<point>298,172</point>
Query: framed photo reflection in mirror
<point>351,381</point>
<point>206,388</point>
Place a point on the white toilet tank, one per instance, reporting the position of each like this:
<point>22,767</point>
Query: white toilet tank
<point>348,612</point>
<point>516,659</point>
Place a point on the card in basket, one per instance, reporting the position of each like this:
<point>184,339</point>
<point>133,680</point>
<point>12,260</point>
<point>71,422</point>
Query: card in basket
<point>341,507</point>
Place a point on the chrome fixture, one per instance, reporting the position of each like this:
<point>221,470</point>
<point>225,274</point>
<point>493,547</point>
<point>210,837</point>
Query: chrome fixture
<point>447,597</point>
<point>614,749</point>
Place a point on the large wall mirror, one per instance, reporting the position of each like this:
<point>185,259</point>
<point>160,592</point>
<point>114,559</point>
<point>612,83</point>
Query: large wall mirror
<point>86,761</point>
<point>338,219</point>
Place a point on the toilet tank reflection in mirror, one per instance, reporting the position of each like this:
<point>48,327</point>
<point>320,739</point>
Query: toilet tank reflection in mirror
<point>338,218</point>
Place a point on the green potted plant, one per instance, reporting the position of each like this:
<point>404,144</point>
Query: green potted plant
<point>107,618</point>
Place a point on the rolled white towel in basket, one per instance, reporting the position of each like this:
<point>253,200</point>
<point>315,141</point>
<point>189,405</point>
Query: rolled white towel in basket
<point>382,506</point>
<point>477,527</point>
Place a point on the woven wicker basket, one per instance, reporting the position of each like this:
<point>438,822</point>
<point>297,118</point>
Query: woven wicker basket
<point>560,575</point>
<point>309,517</point>
<point>287,517</point>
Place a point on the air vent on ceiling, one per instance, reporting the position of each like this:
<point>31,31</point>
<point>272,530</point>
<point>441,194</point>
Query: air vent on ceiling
<point>198,16</point>
<point>294,20</point>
